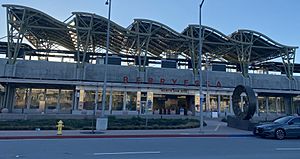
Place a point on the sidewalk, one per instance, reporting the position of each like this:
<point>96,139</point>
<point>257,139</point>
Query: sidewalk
<point>214,128</point>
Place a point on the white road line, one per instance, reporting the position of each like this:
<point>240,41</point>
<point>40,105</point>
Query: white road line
<point>184,133</point>
<point>127,153</point>
<point>288,149</point>
<point>216,129</point>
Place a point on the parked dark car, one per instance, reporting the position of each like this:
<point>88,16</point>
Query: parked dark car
<point>288,126</point>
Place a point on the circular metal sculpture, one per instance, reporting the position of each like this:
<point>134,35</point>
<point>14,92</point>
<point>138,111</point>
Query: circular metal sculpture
<point>244,102</point>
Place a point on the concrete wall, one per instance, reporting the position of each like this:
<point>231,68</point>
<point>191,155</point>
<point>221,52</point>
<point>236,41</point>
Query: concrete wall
<point>170,76</point>
<point>270,81</point>
<point>226,79</point>
<point>2,66</point>
<point>95,72</point>
<point>115,73</point>
<point>45,70</point>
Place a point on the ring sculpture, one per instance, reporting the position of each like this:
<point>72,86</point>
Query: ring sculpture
<point>249,102</point>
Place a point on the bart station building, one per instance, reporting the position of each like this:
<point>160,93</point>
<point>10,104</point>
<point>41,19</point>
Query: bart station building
<point>151,67</point>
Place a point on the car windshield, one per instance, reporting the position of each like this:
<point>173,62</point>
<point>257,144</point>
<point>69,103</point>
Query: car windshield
<point>283,119</point>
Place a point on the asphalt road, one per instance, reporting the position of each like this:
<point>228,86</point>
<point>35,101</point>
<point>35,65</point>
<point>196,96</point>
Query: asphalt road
<point>149,148</point>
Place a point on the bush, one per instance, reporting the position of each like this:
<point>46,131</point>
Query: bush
<point>114,123</point>
<point>224,120</point>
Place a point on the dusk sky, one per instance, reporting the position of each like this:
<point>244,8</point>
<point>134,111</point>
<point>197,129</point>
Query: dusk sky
<point>278,19</point>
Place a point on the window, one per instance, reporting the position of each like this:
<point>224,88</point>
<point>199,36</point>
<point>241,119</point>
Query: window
<point>296,121</point>
<point>37,99</point>
<point>51,98</point>
<point>262,104</point>
<point>21,97</point>
<point>66,100</point>
<point>272,105</point>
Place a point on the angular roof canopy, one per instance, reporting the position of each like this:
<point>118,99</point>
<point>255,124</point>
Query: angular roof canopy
<point>40,27</point>
<point>88,31</point>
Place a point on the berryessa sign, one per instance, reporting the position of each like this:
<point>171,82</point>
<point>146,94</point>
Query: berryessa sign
<point>164,81</point>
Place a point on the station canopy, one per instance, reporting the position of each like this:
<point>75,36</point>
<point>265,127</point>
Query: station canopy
<point>87,31</point>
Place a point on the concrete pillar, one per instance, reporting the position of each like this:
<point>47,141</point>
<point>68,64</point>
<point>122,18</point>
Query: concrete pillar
<point>276,104</point>
<point>96,100</point>
<point>9,97</point>
<point>230,104</point>
<point>28,98</point>
<point>138,102</point>
<point>197,101</point>
<point>207,103</point>
<point>58,100</point>
<point>42,102</point>
<point>81,99</point>
<point>1,101</point>
<point>75,99</point>
<point>219,104</point>
<point>288,104</point>
<point>267,104</point>
<point>124,101</point>
<point>257,107</point>
<point>110,102</point>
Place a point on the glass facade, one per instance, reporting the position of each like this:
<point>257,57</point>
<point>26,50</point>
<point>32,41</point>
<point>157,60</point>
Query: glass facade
<point>37,100</point>
<point>65,101</point>
<point>43,100</point>
<point>224,103</point>
<point>106,100</point>
<point>275,105</point>
<point>272,105</point>
<point>281,107</point>
<point>89,100</point>
<point>52,98</point>
<point>262,105</point>
<point>131,101</point>
<point>213,103</point>
<point>61,101</point>
<point>20,98</point>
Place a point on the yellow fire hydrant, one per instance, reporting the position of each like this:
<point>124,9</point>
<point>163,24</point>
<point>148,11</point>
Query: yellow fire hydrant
<point>59,127</point>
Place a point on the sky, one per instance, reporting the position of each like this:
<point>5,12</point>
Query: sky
<point>278,19</point>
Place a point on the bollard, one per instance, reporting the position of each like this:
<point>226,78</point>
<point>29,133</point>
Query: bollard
<point>59,127</point>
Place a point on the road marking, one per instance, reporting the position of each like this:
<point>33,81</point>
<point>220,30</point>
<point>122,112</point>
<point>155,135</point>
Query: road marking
<point>216,129</point>
<point>288,149</point>
<point>184,133</point>
<point>127,153</point>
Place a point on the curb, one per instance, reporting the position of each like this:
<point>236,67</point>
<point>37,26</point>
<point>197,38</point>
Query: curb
<point>125,136</point>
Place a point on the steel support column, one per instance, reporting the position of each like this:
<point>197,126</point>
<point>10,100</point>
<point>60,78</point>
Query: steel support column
<point>244,54</point>
<point>288,60</point>
<point>288,102</point>
<point>16,28</point>
<point>84,38</point>
<point>9,97</point>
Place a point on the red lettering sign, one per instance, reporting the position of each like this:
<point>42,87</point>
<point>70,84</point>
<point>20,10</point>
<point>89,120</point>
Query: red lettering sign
<point>197,83</point>
<point>150,80</point>
<point>138,80</point>
<point>125,79</point>
<point>174,81</point>
<point>208,83</point>
<point>162,81</point>
<point>186,82</point>
<point>219,84</point>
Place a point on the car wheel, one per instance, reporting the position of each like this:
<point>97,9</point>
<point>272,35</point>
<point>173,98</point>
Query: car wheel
<point>279,134</point>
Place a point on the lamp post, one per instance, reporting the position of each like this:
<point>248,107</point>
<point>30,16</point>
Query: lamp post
<point>108,2</point>
<point>199,66</point>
